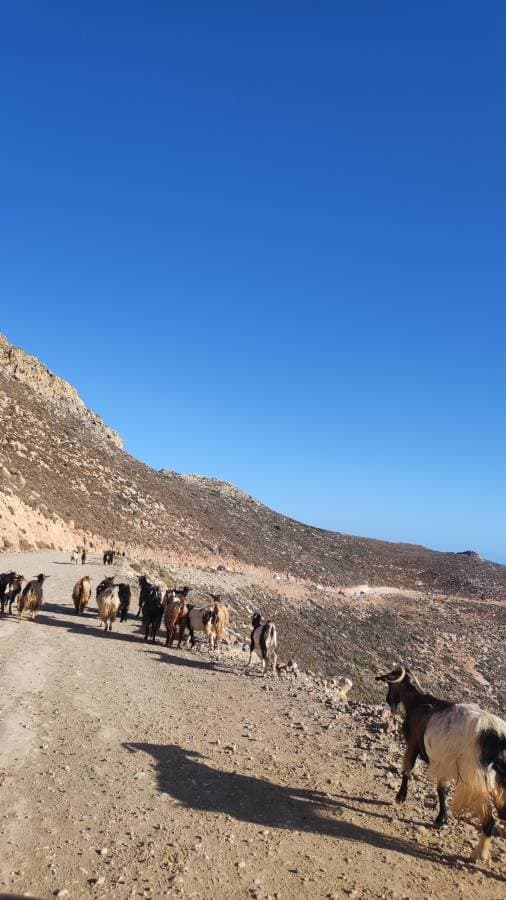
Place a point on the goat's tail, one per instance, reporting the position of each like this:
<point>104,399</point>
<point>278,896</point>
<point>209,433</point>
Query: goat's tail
<point>494,755</point>
<point>484,782</point>
<point>272,635</point>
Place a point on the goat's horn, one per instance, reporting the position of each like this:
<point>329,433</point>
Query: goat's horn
<point>399,679</point>
<point>389,678</point>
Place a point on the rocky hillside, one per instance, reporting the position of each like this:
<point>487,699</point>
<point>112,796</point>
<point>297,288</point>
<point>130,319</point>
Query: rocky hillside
<point>59,394</point>
<point>64,479</point>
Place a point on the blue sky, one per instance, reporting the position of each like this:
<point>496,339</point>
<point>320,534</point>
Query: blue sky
<point>266,242</point>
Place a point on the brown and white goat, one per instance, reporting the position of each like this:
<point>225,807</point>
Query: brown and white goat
<point>31,596</point>
<point>462,744</point>
<point>74,557</point>
<point>263,642</point>
<point>81,594</point>
<point>176,609</point>
<point>108,605</point>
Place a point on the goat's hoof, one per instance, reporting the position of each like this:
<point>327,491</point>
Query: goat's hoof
<point>400,797</point>
<point>440,821</point>
<point>477,856</point>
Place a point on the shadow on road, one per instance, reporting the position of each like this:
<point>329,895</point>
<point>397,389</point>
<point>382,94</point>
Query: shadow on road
<point>170,657</point>
<point>186,776</point>
<point>89,562</point>
<point>87,624</point>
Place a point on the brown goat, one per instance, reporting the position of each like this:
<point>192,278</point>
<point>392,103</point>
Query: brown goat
<point>81,594</point>
<point>31,596</point>
<point>221,618</point>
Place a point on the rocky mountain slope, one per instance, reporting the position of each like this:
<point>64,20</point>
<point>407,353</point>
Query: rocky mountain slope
<point>66,480</point>
<point>59,394</point>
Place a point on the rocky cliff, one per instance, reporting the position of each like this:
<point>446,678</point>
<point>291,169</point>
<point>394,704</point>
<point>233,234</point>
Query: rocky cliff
<point>16,364</point>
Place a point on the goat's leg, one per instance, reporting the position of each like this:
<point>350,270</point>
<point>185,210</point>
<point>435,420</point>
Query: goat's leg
<point>146,634</point>
<point>263,666</point>
<point>192,638</point>
<point>274,663</point>
<point>251,649</point>
<point>410,758</point>
<point>482,849</point>
<point>442,816</point>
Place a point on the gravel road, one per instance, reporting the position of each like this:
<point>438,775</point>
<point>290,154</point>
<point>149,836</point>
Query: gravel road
<point>130,770</point>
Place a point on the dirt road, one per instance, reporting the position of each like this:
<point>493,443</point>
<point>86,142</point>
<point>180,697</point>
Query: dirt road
<point>130,770</point>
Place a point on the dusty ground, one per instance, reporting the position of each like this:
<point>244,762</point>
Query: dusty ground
<point>129,770</point>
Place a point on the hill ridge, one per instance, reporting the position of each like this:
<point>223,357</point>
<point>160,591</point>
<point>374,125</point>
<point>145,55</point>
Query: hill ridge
<point>66,475</point>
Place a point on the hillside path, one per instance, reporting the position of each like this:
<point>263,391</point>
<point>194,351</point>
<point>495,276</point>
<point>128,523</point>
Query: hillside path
<point>130,770</point>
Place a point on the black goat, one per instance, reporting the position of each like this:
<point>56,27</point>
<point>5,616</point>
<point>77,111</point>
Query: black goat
<point>125,594</point>
<point>152,612</point>
<point>146,587</point>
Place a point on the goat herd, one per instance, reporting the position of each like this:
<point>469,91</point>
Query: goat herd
<point>464,745</point>
<point>182,619</point>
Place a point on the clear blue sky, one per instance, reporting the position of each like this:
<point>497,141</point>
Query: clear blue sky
<point>266,242</point>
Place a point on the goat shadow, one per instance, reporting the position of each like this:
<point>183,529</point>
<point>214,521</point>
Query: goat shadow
<point>186,776</point>
<point>89,624</point>
<point>86,624</point>
<point>89,562</point>
<point>169,656</point>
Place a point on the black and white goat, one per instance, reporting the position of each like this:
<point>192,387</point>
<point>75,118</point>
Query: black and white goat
<point>10,586</point>
<point>105,583</point>
<point>463,745</point>
<point>264,642</point>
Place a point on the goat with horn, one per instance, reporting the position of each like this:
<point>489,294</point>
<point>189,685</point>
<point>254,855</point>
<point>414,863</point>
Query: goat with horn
<point>463,745</point>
